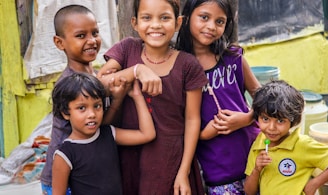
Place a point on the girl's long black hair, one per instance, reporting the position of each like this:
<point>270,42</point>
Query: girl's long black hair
<point>184,39</point>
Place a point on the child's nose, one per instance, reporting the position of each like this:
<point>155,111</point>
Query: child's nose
<point>211,25</point>
<point>271,126</point>
<point>92,113</point>
<point>156,24</point>
<point>92,40</point>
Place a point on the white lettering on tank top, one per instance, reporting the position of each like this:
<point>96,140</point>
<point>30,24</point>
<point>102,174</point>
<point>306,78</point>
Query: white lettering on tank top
<point>222,77</point>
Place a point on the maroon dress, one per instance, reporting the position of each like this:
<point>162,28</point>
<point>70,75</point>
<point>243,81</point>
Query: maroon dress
<point>151,168</point>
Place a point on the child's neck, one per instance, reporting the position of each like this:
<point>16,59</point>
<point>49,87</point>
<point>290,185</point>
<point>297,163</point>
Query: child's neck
<point>206,58</point>
<point>80,136</point>
<point>166,57</point>
<point>200,50</point>
<point>157,55</point>
<point>76,67</point>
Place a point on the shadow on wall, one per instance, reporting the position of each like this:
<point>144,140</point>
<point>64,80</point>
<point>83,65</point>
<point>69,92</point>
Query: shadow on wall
<point>325,97</point>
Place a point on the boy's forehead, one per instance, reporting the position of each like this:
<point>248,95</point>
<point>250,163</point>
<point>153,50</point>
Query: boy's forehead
<point>82,20</point>
<point>79,17</point>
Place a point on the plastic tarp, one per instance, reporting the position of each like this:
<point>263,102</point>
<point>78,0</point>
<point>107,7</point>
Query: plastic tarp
<point>24,153</point>
<point>42,57</point>
<point>278,20</point>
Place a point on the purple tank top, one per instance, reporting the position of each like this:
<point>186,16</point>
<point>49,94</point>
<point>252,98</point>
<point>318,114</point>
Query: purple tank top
<point>223,158</point>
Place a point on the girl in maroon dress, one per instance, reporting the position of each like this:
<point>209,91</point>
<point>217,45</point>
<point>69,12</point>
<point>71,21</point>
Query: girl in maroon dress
<point>165,165</point>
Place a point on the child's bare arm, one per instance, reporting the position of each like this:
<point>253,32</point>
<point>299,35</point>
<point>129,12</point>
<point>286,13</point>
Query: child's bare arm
<point>251,185</point>
<point>313,184</point>
<point>209,131</point>
<point>251,82</point>
<point>146,131</point>
<point>60,174</point>
<point>191,136</point>
<point>111,66</point>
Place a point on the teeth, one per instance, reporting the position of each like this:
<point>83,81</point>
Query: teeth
<point>156,34</point>
<point>91,123</point>
<point>89,50</point>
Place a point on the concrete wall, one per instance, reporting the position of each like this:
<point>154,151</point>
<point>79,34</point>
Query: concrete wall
<point>303,61</point>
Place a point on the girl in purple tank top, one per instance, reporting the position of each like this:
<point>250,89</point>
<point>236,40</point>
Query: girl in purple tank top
<point>228,129</point>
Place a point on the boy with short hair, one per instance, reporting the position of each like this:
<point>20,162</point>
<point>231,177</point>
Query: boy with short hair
<point>287,165</point>
<point>77,34</point>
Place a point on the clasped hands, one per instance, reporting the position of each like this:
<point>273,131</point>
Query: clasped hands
<point>118,82</point>
<point>227,121</point>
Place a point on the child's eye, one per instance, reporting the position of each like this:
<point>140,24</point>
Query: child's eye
<point>81,108</point>
<point>264,118</point>
<point>146,18</point>
<point>81,36</point>
<point>220,22</point>
<point>281,120</point>
<point>95,33</point>
<point>98,106</point>
<point>203,17</point>
<point>164,18</point>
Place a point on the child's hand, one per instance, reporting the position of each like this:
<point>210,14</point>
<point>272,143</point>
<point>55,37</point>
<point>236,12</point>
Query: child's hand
<point>135,90</point>
<point>262,160</point>
<point>228,121</point>
<point>151,82</point>
<point>181,184</point>
<point>118,87</point>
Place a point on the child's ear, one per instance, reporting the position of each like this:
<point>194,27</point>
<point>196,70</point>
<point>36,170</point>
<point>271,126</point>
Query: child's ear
<point>134,23</point>
<point>58,42</point>
<point>66,116</point>
<point>179,23</point>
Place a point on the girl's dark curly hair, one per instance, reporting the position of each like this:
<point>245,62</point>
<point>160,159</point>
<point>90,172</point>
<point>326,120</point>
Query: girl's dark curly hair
<point>280,100</point>
<point>69,88</point>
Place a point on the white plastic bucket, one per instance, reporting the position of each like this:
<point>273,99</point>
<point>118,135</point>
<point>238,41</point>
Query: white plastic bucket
<point>319,132</point>
<point>315,110</point>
